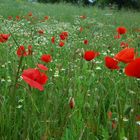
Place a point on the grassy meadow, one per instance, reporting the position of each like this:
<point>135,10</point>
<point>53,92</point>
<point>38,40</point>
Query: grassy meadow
<point>81,100</point>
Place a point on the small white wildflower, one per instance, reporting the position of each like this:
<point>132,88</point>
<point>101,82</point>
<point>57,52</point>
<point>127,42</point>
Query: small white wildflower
<point>125,119</point>
<point>9,62</point>
<point>63,69</point>
<point>56,74</point>
<point>9,80</point>
<point>81,77</point>
<point>104,53</point>
<point>2,80</point>
<point>88,95</point>
<point>21,100</point>
<point>124,138</point>
<point>98,62</point>
<point>112,54</point>
<point>19,106</point>
<point>96,89</point>
<point>138,122</point>
<point>3,66</point>
<point>132,110</point>
<point>98,68</point>
<point>131,92</point>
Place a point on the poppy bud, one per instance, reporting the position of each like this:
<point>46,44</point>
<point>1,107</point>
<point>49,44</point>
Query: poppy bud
<point>71,103</point>
<point>114,124</point>
<point>86,42</point>
<point>109,114</point>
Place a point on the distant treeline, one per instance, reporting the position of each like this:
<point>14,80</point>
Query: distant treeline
<point>120,3</point>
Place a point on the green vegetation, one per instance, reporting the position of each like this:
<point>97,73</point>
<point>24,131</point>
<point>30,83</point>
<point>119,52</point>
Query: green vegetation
<point>107,102</point>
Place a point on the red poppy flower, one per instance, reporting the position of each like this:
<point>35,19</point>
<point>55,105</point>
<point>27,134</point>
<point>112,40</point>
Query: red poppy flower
<point>123,45</point>
<point>9,17</point>
<point>53,40</point>
<point>17,17</point>
<point>126,55</point>
<point>41,32</point>
<point>46,17</point>
<point>82,17</point>
<point>42,67</point>
<point>85,42</point>
<point>61,44</point>
<point>46,58</point>
<point>121,30</point>
<point>34,78</point>
<point>89,55</point>
<point>4,37</point>
<point>63,35</point>
<point>21,51</point>
<point>133,68</point>
<point>111,63</point>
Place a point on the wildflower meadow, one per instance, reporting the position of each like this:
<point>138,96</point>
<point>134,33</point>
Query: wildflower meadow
<point>69,72</point>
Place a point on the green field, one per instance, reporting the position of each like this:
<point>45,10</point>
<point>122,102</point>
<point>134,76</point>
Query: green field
<point>81,100</point>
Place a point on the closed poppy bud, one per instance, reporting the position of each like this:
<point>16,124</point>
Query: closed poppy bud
<point>121,30</point>
<point>85,42</point>
<point>137,117</point>
<point>46,58</point>
<point>71,102</point>
<point>114,124</point>
<point>109,114</point>
<point>30,50</point>
<point>46,17</point>
<point>53,40</point>
<point>81,29</point>
<point>41,32</point>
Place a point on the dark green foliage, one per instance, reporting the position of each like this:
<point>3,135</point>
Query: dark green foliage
<point>57,1</point>
<point>120,3</point>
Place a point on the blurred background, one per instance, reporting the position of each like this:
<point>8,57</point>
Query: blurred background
<point>135,4</point>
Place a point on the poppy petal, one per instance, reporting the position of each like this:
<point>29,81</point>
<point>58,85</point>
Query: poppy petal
<point>126,55</point>
<point>111,63</point>
<point>133,68</point>
<point>33,83</point>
